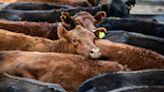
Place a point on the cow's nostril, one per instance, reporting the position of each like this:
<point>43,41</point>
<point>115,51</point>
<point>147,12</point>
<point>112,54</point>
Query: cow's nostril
<point>91,52</point>
<point>94,53</point>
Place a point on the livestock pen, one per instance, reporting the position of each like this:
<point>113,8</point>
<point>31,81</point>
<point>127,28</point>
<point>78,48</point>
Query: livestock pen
<point>81,46</point>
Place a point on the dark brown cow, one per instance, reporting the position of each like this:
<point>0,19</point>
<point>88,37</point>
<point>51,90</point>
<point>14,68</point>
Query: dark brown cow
<point>65,69</point>
<point>79,41</point>
<point>86,20</point>
<point>135,58</point>
<point>83,18</point>
<point>40,29</point>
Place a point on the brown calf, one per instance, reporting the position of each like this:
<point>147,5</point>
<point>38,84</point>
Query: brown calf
<point>135,58</point>
<point>79,40</point>
<point>65,69</point>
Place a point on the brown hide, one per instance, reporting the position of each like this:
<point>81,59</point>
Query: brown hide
<point>134,57</point>
<point>31,28</point>
<point>17,41</point>
<point>66,2</point>
<point>78,40</point>
<point>85,19</point>
<point>65,69</point>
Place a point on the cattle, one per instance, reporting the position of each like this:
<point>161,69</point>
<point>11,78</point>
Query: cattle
<point>64,2</point>
<point>140,89</point>
<point>134,25</point>
<point>127,2</point>
<point>118,9</point>
<point>134,57</point>
<point>83,3</point>
<point>149,17</point>
<point>77,41</point>
<point>49,30</point>
<point>40,29</point>
<point>32,6</point>
<point>151,80</point>
<point>9,83</point>
<point>88,21</point>
<point>136,39</point>
<point>65,69</point>
<point>83,18</point>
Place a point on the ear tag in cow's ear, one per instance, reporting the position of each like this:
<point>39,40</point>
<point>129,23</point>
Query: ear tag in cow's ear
<point>65,17</point>
<point>101,34</point>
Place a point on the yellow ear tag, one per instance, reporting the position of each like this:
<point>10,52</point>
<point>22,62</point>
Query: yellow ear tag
<point>65,17</point>
<point>101,35</point>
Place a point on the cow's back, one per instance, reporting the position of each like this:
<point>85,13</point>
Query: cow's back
<point>18,41</point>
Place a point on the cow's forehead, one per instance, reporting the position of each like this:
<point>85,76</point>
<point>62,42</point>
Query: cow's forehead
<point>81,31</point>
<point>84,15</point>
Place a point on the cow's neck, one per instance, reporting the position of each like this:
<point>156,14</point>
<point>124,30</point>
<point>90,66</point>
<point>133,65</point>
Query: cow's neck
<point>62,46</point>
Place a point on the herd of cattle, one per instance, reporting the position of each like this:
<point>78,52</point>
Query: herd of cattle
<point>68,45</point>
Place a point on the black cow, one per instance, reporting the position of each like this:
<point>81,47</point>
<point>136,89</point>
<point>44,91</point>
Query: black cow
<point>149,17</point>
<point>51,12</point>
<point>139,89</point>
<point>34,6</point>
<point>113,81</point>
<point>134,25</point>
<point>10,83</point>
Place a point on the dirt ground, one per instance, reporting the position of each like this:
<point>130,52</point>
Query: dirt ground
<point>148,7</point>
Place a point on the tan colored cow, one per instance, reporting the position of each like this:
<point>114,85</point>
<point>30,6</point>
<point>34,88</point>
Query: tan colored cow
<point>78,41</point>
<point>134,57</point>
<point>65,69</point>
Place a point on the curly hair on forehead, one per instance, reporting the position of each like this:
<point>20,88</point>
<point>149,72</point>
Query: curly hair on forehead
<point>84,14</point>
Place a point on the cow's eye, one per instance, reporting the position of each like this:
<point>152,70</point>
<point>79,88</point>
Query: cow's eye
<point>77,23</point>
<point>75,41</point>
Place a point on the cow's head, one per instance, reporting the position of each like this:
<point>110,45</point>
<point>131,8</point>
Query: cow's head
<point>81,39</point>
<point>84,19</point>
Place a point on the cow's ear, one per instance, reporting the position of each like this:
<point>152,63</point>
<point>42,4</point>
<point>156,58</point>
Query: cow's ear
<point>62,32</point>
<point>100,16</point>
<point>100,32</point>
<point>67,20</point>
<point>65,17</point>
